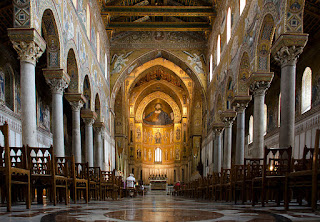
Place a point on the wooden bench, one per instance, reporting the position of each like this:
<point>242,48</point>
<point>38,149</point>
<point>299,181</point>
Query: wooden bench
<point>252,168</point>
<point>303,181</point>
<point>44,176</point>
<point>276,164</point>
<point>14,171</point>
<point>94,183</point>
<point>78,179</point>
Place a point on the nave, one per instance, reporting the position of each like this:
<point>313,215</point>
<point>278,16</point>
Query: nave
<point>156,206</point>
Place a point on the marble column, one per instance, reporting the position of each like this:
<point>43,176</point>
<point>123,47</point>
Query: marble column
<point>89,118</point>
<point>30,46</point>
<point>98,149</point>
<point>89,141</point>
<point>227,117</point>
<point>217,147</point>
<point>240,103</point>
<point>287,55</point>
<point>258,121</point>
<point>58,81</point>
<point>259,89</point>
<point>76,101</point>
<point>76,133</point>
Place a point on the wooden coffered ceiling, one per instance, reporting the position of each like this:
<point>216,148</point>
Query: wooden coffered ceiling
<point>158,15</point>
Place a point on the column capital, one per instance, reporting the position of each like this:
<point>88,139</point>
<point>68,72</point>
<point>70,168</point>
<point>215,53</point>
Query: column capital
<point>76,100</point>
<point>99,126</point>
<point>259,82</point>
<point>88,116</point>
<point>241,102</point>
<point>28,43</point>
<point>227,117</point>
<point>217,127</point>
<point>287,48</point>
<point>57,79</point>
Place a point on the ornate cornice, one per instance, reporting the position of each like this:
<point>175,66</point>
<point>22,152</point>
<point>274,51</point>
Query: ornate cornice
<point>28,43</point>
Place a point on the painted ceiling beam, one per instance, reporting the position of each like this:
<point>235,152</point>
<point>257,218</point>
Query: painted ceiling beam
<point>187,11</point>
<point>159,26</point>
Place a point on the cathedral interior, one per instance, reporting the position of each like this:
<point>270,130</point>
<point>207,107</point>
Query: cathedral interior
<point>159,110</point>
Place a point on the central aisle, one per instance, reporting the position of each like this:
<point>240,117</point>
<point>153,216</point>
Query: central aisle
<point>156,206</point>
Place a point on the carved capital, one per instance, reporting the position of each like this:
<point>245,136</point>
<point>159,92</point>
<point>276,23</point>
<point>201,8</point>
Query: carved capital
<point>287,48</point>
<point>88,121</point>
<point>76,100</point>
<point>76,105</point>
<point>227,117</point>
<point>28,43</point>
<point>57,85</point>
<point>27,51</point>
<point>241,102</point>
<point>288,55</point>
<point>259,88</point>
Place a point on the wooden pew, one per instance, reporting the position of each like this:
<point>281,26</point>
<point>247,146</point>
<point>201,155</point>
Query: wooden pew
<point>43,173</point>
<point>304,176</point>
<point>78,177</point>
<point>94,183</point>
<point>14,170</point>
<point>237,172</point>
<point>252,169</point>
<point>108,184</point>
<point>272,183</point>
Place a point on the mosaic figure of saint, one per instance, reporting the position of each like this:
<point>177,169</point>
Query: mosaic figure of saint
<point>157,137</point>
<point>158,116</point>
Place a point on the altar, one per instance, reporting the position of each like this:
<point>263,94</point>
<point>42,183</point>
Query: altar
<point>158,182</point>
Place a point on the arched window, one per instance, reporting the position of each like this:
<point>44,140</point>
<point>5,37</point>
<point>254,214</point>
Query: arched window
<point>242,5</point>
<point>106,66</point>
<point>228,24</point>
<point>75,3</point>
<point>279,109</point>
<point>88,21</point>
<point>211,67</point>
<point>251,129</point>
<point>218,49</point>
<point>98,46</point>
<point>265,119</point>
<point>306,90</point>
<point>158,157</point>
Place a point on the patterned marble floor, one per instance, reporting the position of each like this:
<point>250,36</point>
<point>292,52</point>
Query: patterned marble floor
<point>155,207</point>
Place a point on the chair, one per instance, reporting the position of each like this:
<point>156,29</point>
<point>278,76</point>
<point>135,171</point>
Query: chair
<point>43,174</point>
<point>303,180</point>
<point>94,183</point>
<point>252,169</point>
<point>13,170</point>
<point>79,179</point>
<point>108,184</point>
<point>237,181</point>
<point>276,164</point>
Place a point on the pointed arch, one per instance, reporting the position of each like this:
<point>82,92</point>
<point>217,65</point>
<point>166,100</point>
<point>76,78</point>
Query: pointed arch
<point>175,108</point>
<point>244,73</point>
<point>51,36</point>
<point>87,92</point>
<point>72,70</point>
<point>97,106</point>
<point>264,43</point>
